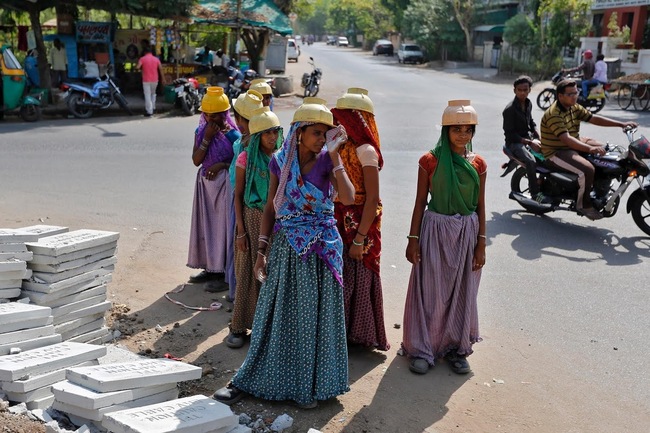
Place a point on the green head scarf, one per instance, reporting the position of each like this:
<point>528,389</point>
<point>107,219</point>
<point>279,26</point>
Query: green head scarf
<point>257,171</point>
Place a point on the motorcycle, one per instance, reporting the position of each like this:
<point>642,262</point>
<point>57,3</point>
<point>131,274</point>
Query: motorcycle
<point>189,94</point>
<point>311,82</point>
<point>594,101</point>
<point>83,98</point>
<point>615,172</point>
<point>15,90</point>
<point>239,82</point>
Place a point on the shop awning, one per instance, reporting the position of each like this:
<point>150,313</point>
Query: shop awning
<point>496,28</point>
<point>254,13</point>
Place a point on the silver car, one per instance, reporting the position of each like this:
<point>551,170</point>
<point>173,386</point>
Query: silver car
<point>410,53</point>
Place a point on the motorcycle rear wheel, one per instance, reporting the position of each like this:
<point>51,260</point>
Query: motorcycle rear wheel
<point>77,110</point>
<point>187,106</point>
<point>519,183</point>
<point>546,98</point>
<point>640,209</point>
<point>121,101</point>
<point>30,113</point>
<point>598,105</point>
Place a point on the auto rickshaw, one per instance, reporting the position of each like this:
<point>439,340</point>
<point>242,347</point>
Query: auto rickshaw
<point>14,95</point>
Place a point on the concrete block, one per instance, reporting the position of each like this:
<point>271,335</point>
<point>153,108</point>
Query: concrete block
<point>33,343</point>
<point>24,397</point>
<point>72,264</point>
<point>47,359</point>
<point>240,429</point>
<point>91,310</point>
<point>18,312</point>
<point>11,284</point>
<point>77,282</point>
<point>13,248</point>
<point>134,374</point>
<point>98,414</point>
<point>25,256</point>
<point>13,275</point>
<point>73,394</point>
<point>12,265</point>
<point>32,382</point>
<point>70,326</point>
<point>9,293</point>
<point>40,403</point>
<point>107,263</point>
<point>72,241</point>
<point>12,236</point>
<point>26,324</point>
<point>25,334</point>
<point>75,255</point>
<point>98,336</point>
<point>71,307</point>
<point>44,230</point>
<point>88,327</point>
<point>195,414</point>
<point>97,287</point>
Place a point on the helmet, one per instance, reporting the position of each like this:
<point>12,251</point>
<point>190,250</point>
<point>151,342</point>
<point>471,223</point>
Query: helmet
<point>356,99</point>
<point>313,110</point>
<point>588,54</point>
<point>247,102</point>
<point>459,112</point>
<point>261,86</point>
<point>263,119</point>
<point>215,100</point>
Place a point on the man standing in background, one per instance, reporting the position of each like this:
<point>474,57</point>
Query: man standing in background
<point>151,70</point>
<point>58,63</point>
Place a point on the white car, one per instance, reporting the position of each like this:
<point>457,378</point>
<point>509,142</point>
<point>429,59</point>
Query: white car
<point>342,41</point>
<point>410,53</point>
<point>293,50</point>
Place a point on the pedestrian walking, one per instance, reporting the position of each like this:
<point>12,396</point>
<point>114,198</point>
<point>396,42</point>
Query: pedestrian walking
<point>446,245</point>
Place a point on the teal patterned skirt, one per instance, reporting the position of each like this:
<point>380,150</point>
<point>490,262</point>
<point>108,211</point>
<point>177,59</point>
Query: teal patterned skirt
<point>298,347</point>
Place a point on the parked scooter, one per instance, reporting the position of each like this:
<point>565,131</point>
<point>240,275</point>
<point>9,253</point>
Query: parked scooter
<point>594,101</point>
<point>189,94</point>
<point>615,172</point>
<point>83,99</point>
<point>15,91</point>
<point>311,82</point>
<point>239,82</point>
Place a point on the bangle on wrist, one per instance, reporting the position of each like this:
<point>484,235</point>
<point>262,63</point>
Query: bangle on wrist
<point>241,236</point>
<point>337,168</point>
<point>361,234</point>
<point>482,236</point>
<point>261,253</point>
<point>357,243</point>
<point>413,237</point>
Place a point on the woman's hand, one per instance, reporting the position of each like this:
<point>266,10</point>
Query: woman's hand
<point>210,131</point>
<point>479,255</point>
<point>213,170</point>
<point>259,270</point>
<point>335,137</point>
<point>242,243</point>
<point>356,252</point>
<point>413,251</point>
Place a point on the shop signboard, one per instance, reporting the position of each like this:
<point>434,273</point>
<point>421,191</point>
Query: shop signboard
<point>129,44</point>
<point>610,4</point>
<point>93,32</point>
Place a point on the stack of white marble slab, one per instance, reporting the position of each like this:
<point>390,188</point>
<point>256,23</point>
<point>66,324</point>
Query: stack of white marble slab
<point>70,274</point>
<point>196,414</point>
<point>13,261</point>
<point>89,393</point>
<point>24,327</point>
<point>28,376</point>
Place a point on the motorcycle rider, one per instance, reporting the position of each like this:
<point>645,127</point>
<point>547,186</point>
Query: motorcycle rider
<point>561,141</point>
<point>521,133</point>
<point>588,67</point>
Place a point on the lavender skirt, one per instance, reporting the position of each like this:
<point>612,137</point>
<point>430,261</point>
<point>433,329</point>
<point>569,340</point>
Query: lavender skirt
<point>210,219</point>
<point>441,314</point>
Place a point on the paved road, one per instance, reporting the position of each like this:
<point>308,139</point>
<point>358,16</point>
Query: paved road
<point>563,302</point>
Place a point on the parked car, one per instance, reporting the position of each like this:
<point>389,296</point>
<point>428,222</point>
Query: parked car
<point>342,41</point>
<point>293,50</point>
<point>410,53</point>
<point>383,46</point>
<point>331,40</point>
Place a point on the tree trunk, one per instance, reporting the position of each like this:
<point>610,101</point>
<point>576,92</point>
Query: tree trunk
<point>256,41</point>
<point>43,68</point>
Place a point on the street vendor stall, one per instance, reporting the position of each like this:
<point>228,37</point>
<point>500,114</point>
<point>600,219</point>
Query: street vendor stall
<point>634,91</point>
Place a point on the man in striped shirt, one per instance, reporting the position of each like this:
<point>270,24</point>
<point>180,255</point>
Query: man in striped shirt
<point>561,141</point>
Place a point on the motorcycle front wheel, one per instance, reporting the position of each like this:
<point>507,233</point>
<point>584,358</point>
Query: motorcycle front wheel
<point>187,106</point>
<point>77,110</point>
<point>121,101</point>
<point>546,98</point>
<point>640,209</point>
<point>519,183</point>
<point>30,112</point>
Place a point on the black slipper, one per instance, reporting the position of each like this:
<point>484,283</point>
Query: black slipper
<point>204,276</point>
<point>228,395</point>
<point>458,363</point>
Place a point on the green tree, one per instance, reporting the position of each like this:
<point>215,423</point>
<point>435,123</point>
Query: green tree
<point>520,31</point>
<point>367,17</point>
<point>397,8</point>
<point>464,13</point>
<point>433,25</point>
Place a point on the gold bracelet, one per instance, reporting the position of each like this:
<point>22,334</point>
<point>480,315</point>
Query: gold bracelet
<point>482,236</point>
<point>413,237</point>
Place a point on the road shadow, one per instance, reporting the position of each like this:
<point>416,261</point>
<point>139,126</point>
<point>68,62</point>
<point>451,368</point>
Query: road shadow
<point>537,236</point>
<point>425,396</point>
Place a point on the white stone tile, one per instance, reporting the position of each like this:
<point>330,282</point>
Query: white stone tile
<point>76,255</point>
<point>25,256</point>
<point>72,264</point>
<point>107,263</point>
<point>11,248</point>
<point>98,336</point>
<point>13,275</point>
<point>58,299</point>
<point>9,293</point>
<point>98,414</point>
<point>91,310</point>
<point>19,312</point>
<point>76,395</point>
<point>33,343</point>
<point>11,284</point>
<point>8,236</point>
<point>81,330</point>
<point>134,374</point>
<point>72,241</point>
<point>41,404</point>
<point>26,324</point>
<point>12,265</point>
<point>79,282</point>
<point>46,359</point>
<point>43,230</point>
<point>24,397</point>
<point>240,429</point>
<point>195,414</point>
<point>31,382</point>
<point>64,328</point>
<point>26,334</point>
<point>71,307</point>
